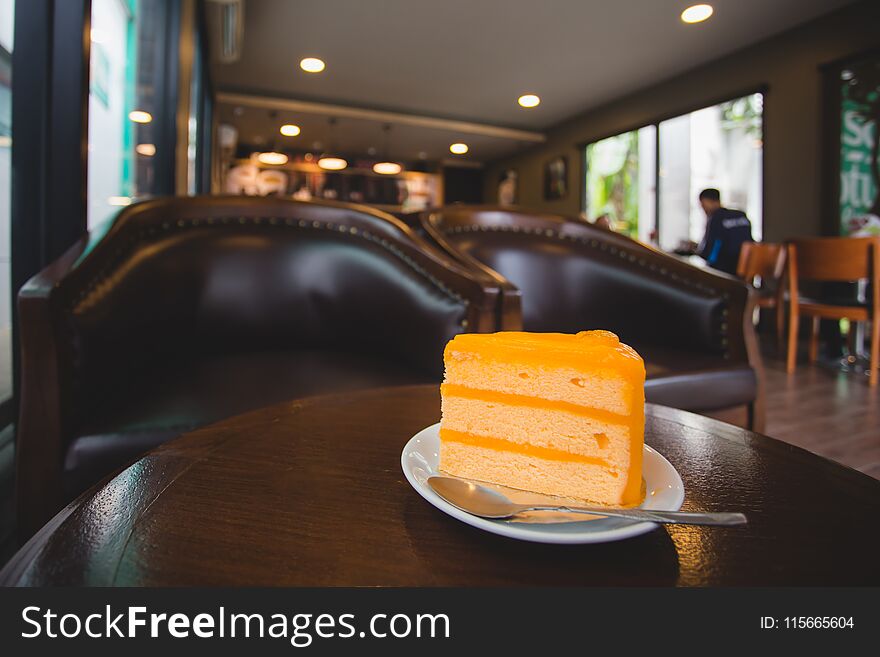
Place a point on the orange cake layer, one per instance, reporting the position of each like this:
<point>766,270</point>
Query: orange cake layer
<point>490,396</point>
<point>488,442</point>
<point>549,412</point>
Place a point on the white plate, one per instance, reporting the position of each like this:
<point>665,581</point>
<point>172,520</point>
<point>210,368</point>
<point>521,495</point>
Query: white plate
<point>663,485</point>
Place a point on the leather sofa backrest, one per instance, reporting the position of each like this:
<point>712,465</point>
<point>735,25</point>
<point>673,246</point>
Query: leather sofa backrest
<point>181,278</point>
<point>573,276</point>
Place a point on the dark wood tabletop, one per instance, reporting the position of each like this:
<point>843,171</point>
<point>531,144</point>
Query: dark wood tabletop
<point>310,492</point>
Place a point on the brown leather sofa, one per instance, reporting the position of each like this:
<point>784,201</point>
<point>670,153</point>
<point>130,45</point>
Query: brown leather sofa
<point>189,310</point>
<point>693,326</point>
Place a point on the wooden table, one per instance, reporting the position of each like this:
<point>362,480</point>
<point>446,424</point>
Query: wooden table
<point>310,492</point>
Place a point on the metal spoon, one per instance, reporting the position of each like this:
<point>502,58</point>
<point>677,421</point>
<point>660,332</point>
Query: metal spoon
<point>487,503</point>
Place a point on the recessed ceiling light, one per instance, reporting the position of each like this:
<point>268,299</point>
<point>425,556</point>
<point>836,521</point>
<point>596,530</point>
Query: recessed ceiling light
<point>696,13</point>
<point>529,100</point>
<point>458,148</point>
<point>140,116</point>
<point>289,130</point>
<point>119,200</point>
<point>272,157</point>
<point>147,150</point>
<point>312,65</point>
<point>332,163</point>
<point>387,168</point>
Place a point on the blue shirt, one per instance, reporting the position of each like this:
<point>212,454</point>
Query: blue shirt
<point>726,230</point>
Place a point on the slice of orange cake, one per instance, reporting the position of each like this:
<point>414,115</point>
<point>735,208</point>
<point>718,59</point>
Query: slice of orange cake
<point>551,413</point>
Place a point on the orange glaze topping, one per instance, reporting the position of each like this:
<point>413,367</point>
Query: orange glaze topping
<point>588,350</point>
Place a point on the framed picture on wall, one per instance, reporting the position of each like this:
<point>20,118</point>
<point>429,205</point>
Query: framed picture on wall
<point>556,178</point>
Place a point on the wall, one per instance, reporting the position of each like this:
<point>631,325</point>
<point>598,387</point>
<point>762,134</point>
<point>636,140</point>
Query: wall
<point>787,64</point>
<point>462,185</point>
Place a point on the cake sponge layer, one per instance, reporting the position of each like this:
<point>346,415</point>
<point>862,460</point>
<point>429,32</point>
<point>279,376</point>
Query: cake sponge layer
<point>569,433</point>
<point>598,389</point>
<point>579,480</point>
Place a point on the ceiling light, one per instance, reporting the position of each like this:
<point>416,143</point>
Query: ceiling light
<point>289,130</point>
<point>332,163</point>
<point>696,13</point>
<point>119,200</point>
<point>458,148</point>
<point>387,168</point>
<point>529,100</point>
<point>312,65</point>
<point>139,116</point>
<point>5,141</point>
<point>272,157</point>
<point>147,150</point>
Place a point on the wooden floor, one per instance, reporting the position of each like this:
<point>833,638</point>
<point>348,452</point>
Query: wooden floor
<point>820,408</point>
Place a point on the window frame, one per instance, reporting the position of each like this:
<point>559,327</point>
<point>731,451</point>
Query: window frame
<point>50,150</point>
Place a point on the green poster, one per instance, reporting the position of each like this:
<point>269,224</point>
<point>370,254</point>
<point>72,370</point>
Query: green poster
<point>859,164</point>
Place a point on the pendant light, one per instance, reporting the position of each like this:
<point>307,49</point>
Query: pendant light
<point>272,157</point>
<point>276,158</point>
<point>387,167</point>
<point>328,160</point>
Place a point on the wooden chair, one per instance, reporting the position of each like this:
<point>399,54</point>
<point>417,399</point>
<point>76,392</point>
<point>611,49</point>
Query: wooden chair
<point>834,259</point>
<point>762,266</point>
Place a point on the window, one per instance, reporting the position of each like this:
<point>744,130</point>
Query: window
<point>6,39</point>
<point>661,168</point>
<point>124,71</point>
<point>621,181</point>
<point>109,105</point>
<point>718,146</point>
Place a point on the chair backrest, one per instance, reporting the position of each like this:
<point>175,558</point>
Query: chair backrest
<point>834,258</point>
<point>761,259</point>
<point>573,276</point>
<point>187,277</point>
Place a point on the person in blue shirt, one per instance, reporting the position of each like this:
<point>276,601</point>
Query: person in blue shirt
<point>726,230</point>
